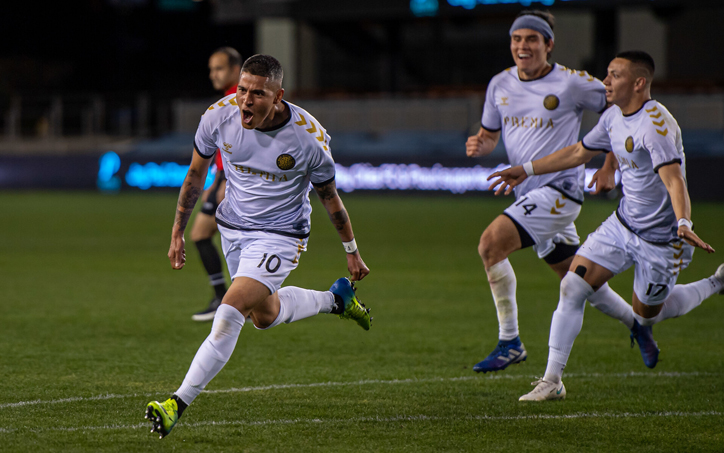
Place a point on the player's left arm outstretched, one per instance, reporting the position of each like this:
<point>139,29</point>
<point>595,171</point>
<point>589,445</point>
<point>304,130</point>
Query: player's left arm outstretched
<point>338,215</point>
<point>564,158</point>
<point>191,189</point>
<point>676,186</point>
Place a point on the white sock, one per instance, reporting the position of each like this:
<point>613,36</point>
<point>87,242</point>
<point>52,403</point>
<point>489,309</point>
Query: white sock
<point>299,303</point>
<point>214,352</point>
<point>566,324</point>
<point>609,302</point>
<point>502,284</point>
<point>683,299</point>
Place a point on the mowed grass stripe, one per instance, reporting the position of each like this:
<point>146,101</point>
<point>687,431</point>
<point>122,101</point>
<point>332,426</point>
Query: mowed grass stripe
<point>75,399</point>
<point>399,418</point>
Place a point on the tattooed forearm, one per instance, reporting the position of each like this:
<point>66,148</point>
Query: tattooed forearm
<point>327,192</point>
<point>339,219</point>
<point>186,202</point>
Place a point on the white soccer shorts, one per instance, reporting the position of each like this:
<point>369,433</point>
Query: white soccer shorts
<point>548,216</point>
<point>266,257</point>
<point>617,248</point>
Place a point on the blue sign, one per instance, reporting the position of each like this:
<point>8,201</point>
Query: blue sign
<point>144,176</point>
<point>424,7</point>
<point>470,4</point>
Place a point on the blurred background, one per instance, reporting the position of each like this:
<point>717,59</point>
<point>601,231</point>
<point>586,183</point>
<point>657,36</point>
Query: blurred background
<point>106,94</point>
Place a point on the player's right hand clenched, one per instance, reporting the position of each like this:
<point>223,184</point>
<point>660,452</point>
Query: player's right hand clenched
<point>474,146</point>
<point>177,252</point>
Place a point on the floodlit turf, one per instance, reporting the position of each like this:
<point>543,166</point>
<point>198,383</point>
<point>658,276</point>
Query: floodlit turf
<point>94,324</point>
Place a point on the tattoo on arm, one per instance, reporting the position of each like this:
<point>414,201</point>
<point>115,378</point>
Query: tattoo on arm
<point>186,202</point>
<point>339,219</point>
<point>327,192</point>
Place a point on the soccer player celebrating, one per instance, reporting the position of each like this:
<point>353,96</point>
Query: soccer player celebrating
<point>224,68</point>
<point>538,106</point>
<point>272,150</point>
<point>651,229</point>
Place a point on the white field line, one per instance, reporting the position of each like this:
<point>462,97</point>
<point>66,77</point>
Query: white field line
<point>109,396</point>
<point>398,418</point>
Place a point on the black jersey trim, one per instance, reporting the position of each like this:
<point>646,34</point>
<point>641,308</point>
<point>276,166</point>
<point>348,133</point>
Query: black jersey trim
<point>642,106</point>
<point>196,148</point>
<point>628,227</point>
<point>567,195</point>
<point>553,66</point>
<point>594,149</point>
<point>281,233</point>
<point>284,123</point>
<point>322,184</point>
<point>663,164</point>
<point>525,238</point>
<point>489,129</point>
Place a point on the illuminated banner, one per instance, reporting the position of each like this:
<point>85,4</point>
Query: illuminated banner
<point>361,176</point>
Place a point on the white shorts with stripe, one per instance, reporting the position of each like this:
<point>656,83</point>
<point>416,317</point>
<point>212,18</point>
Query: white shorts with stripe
<point>547,215</point>
<point>266,257</point>
<point>657,266</point>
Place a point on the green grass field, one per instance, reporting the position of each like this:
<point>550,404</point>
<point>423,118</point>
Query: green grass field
<point>94,324</point>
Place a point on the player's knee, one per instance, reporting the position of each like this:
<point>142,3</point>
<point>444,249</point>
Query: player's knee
<point>261,321</point>
<point>489,249</point>
<point>573,293</point>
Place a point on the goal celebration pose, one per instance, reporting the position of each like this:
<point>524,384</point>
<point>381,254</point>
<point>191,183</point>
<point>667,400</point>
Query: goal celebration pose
<point>537,107</point>
<point>272,150</point>
<point>651,229</point>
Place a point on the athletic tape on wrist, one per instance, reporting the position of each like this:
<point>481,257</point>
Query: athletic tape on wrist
<point>686,222</point>
<point>350,247</point>
<point>528,167</point>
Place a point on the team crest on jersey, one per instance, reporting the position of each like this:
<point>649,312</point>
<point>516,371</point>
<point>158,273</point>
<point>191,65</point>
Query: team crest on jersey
<point>629,144</point>
<point>551,102</point>
<point>285,162</point>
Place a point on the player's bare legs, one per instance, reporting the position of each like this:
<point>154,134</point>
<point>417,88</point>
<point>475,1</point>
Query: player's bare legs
<point>498,241</point>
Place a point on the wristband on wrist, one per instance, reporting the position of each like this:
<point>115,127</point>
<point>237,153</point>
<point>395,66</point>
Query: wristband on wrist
<point>686,222</point>
<point>350,247</point>
<point>528,167</point>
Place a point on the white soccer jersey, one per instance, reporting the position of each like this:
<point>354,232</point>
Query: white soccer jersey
<point>541,116</point>
<point>643,142</point>
<point>268,171</point>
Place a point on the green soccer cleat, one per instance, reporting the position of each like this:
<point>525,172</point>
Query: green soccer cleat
<point>352,308</point>
<point>163,416</point>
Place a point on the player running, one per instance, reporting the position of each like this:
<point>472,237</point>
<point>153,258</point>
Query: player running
<point>651,229</point>
<point>272,150</point>
<point>538,106</point>
<point>224,68</point>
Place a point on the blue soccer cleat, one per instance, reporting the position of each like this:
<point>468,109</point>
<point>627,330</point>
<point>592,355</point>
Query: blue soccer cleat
<point>506,353</point>
<point>643,335</point>
<point>352,308</point>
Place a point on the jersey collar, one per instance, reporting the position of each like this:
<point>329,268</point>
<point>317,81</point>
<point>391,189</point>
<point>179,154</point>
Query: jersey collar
<point>553,67</point>
<point>637,111</point>
<point>284,123</point>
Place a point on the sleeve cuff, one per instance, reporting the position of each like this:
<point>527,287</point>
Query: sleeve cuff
<point>663,164</point>
<point>490,129</point>
<point>322,184</point>
<point>196,148</point>
<point>594,149</point>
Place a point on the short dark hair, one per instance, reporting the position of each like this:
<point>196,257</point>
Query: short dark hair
<point>639,58</point>
<point>264,66</point>
<point>545,15</point>
<point>232,54</point>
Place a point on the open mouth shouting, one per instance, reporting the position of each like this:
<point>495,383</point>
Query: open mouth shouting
<point>246,116</point>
